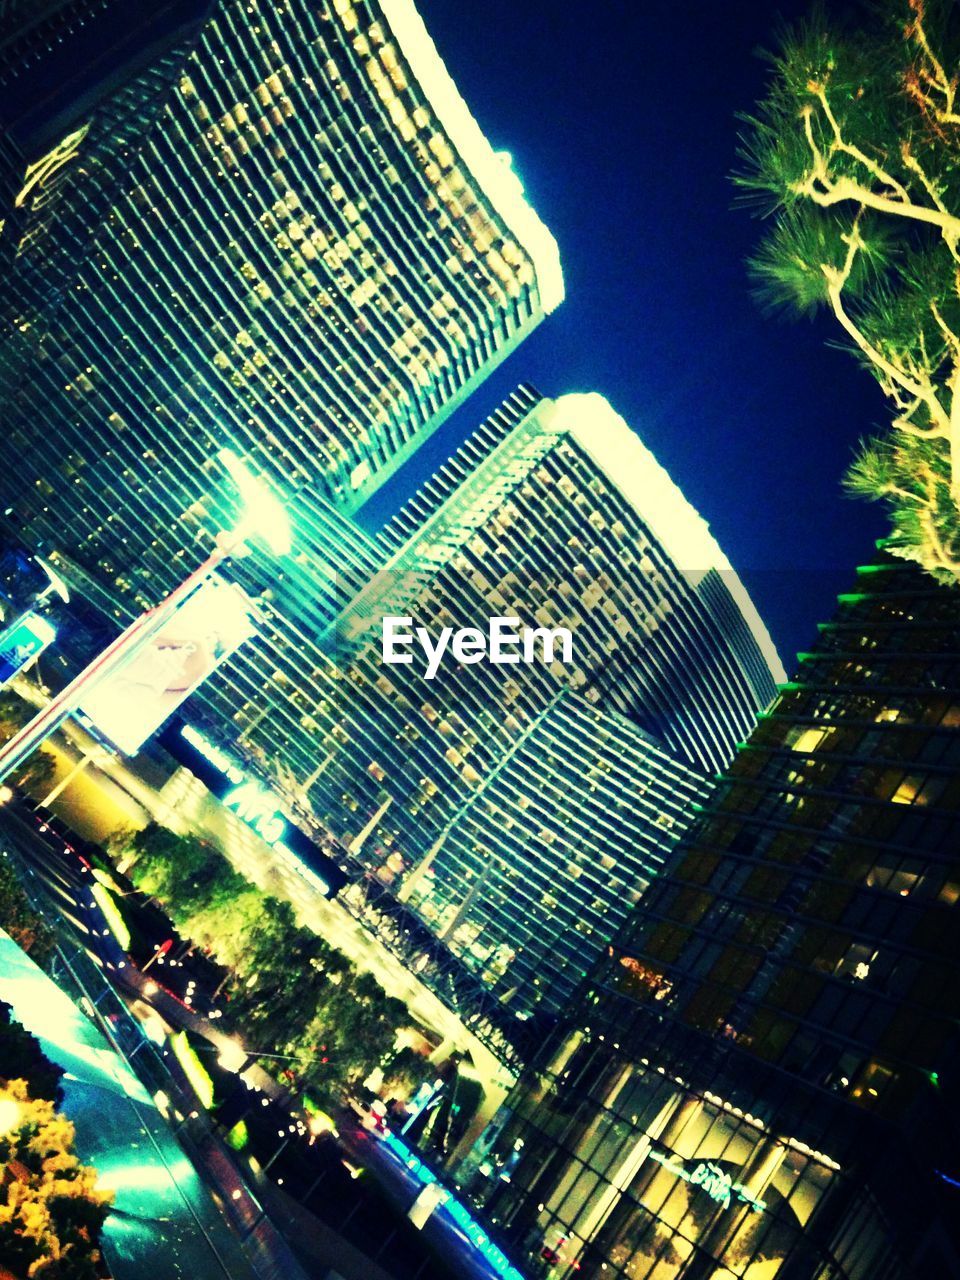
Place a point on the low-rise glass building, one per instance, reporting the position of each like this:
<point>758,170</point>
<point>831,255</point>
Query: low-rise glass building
<point>760,1078</point>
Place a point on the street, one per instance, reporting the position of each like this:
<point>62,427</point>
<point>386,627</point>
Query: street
<point>308,1169</point>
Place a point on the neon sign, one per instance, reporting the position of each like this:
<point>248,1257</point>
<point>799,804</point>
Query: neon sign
<point>255,805</point>
<point>250,801</point>
<point>257,808</point>
<point>457,1211</point>
<point>715,1181</point>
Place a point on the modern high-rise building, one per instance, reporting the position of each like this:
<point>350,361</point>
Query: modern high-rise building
<point>521,824</point>
<point>312,258</point>
<point>81,85</point>
<point>540,868</point>
<point>760,1080</point>
<point>310,254</point>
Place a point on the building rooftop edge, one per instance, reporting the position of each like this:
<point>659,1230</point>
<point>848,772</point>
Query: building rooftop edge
<point>601,432</point>
<point>498,181</point>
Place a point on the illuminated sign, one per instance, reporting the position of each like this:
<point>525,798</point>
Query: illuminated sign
<point>257,808</point>
<point>715,1181</point>
<point>250,801</point>
<point>710,1178</point>
<point>254,804</point>
<point>130,704</point>
<point>495,1257</point>
<point>41,171</point>
<point>21,642</point>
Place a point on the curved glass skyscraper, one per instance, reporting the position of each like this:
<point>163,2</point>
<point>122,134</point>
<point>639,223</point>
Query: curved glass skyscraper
<point>522,808</point>
<point>312,258</point>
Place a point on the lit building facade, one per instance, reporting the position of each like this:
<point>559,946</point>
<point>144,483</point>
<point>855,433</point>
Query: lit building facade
<point>539,869</point>
<point>312,258</point>
<point>81,84</point>
<point>760,1079</point>
<point>521,824</point>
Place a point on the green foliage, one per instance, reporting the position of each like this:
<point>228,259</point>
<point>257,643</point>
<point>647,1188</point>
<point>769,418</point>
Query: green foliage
<point>860,73</point>
<point>54,1215</point>
<point>37,773</point>
<point>788,266</point>
<point>855,152</point>
<point>19,919</point>
<point>51,1213</point>
<point>355,1027</point>
<point>290,991</point>
<point>186,874</point>
<point>405,1072</point>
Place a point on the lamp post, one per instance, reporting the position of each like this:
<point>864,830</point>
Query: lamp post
<point>263,516</point>
<point>55,584</point>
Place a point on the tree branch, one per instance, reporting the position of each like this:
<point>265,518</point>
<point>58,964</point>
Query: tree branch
<point>836,278</point>
<point>954,435</point>
<point>855,153</point>
<point>847,189</point>
<point>939,77</point>
<point>924,433</point>
<point>943,557</point>
<point>952,339</point>
<point>914,165</point>
<point>836,190</point>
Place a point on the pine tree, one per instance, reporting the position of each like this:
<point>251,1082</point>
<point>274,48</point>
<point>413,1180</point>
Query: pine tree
<point>855,151</point>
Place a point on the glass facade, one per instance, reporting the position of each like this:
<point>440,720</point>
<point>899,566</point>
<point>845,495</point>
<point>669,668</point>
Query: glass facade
<point>520,809</point>
<point>540,869</point>
<point>760,1079</point>
<point>281,231</point>
<point>82,82</point>
<point>311,257</point>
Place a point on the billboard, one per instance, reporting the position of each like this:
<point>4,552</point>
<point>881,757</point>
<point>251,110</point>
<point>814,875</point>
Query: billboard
<point>22,641</point>
<point>130,704</point>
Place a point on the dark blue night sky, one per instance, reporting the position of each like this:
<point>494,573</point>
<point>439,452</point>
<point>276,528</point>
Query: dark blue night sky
<point>621,119</point>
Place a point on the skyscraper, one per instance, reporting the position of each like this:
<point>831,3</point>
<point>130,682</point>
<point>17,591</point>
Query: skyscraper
<point>313,257</point>
<point>519,823</point>
<point>760,1079</point>
<point>537,871</point>
<point>81,85</point>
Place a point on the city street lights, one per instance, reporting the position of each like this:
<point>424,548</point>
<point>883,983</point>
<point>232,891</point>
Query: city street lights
<point>55,584</point>
<point>263,516</point>
<point>11,1114</point>
<point>232,1056</point>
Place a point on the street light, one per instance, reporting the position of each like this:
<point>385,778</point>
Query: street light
<point>11,1114</point>
<point>55,583</point>
<point>263,517</point>
<point>233,1056</point>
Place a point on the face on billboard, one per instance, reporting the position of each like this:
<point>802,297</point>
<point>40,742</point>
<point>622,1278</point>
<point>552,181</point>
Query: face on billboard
<point>21,642</point>
<point>131,704</point>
